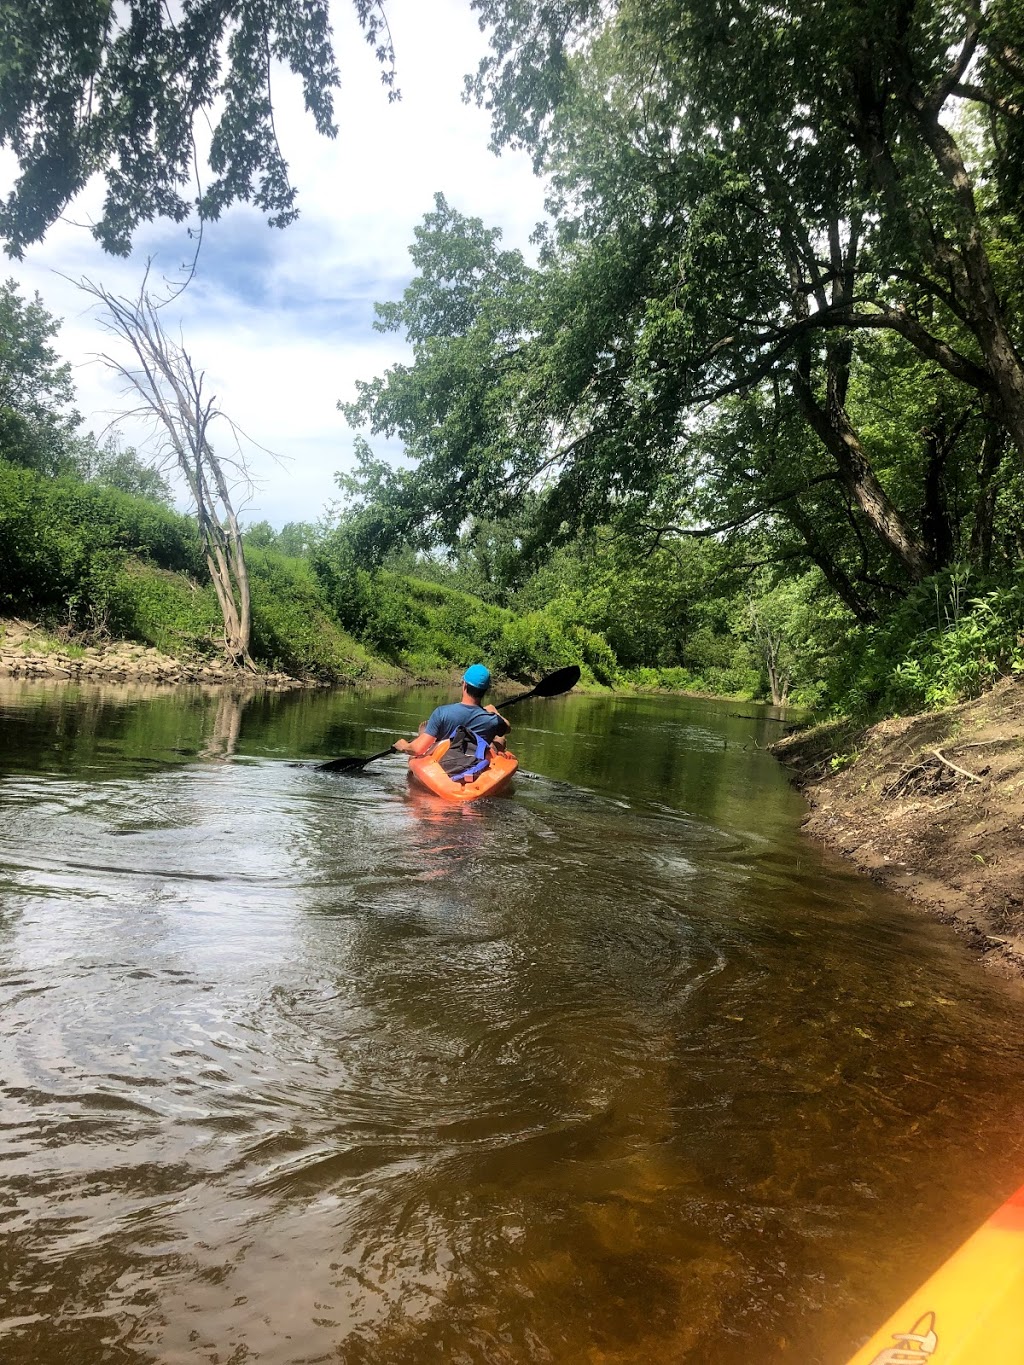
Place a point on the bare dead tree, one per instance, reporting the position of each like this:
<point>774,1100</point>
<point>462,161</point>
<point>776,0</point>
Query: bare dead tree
<point>160,373</point>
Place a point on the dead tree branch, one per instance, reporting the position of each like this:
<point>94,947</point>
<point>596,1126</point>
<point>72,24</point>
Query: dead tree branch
<point>171,392</point>
<point>973,777</point>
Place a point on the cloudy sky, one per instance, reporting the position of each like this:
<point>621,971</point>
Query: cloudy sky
<point>282,321</point>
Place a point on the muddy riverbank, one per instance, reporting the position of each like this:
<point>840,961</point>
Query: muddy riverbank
<point>931,806</point>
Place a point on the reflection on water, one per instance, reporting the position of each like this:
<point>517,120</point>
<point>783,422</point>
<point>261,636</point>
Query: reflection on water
<point>302,1067</point>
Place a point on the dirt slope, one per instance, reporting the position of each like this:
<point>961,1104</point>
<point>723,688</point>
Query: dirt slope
<point>932,806</point>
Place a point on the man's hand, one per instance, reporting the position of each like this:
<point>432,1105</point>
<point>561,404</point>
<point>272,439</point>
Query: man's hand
<point>422,744</point>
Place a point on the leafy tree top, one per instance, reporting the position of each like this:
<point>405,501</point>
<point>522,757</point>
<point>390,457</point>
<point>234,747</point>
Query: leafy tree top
<point>89,88</point>
<point>34,384</point>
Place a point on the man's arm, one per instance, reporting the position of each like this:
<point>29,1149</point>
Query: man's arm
<point>422,744</point>
<point>505,725</point>
<point>427,737</point>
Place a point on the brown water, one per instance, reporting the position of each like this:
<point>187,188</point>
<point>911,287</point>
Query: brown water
<point>304,1068</point>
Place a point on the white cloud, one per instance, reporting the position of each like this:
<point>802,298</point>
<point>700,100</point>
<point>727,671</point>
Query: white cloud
<point>282,321</point>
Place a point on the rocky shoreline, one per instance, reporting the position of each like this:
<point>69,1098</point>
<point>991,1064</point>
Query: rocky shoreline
<point>931,806</point>
<point>26,652</point>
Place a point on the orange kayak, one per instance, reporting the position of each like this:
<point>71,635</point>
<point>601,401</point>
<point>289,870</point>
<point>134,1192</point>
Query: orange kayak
<point>427,771</point>
<point>969,1312</point>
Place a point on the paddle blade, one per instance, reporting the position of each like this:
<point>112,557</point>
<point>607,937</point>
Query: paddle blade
<point>556,683</point>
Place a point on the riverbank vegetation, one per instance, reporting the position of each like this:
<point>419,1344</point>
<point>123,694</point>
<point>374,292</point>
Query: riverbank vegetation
<point>777,310</point>
<point>90,544</point>
<point>91,547</point>
<point>749,420</point>
<point>93,563</point>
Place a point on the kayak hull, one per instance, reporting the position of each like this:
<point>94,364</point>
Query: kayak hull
<point>969,1312</point>
<point>427,772</point>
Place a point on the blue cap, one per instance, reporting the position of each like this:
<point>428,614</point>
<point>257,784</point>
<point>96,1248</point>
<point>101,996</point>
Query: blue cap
<point>477,677</point>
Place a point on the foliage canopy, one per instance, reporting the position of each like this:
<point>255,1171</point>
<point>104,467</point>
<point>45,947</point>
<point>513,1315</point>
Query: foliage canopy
<point>126,91</point>
<point>778,306</point>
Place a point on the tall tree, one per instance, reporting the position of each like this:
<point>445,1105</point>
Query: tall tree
<point>37,420</point>
<point>748,203</point>
<point>122,467</point>
<point>171,393</point>
<point>117,91</point>
<point>805,177</point>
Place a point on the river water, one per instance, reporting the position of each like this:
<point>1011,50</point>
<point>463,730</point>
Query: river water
<point>299,1067</point>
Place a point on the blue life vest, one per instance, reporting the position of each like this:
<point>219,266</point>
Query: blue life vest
<point>468,755</point>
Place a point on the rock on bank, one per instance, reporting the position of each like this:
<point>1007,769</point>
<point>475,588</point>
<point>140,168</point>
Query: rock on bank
<point>931,806</point>
<point>26,652</point>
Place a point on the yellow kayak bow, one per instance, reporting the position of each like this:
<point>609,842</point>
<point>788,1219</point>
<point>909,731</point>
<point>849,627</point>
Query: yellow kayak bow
<point>971,1311</point>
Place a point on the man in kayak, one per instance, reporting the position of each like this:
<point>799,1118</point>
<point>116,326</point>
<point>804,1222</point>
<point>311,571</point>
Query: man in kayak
<point>463,722</point>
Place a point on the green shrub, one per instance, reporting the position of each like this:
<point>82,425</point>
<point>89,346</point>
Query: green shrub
<point>167,610</point>
<point>597,655</point>
<point>428,627</point>
<point>293,628</point>
<point>944,643</point>
<point>718,682</point>
<point>63,544</point>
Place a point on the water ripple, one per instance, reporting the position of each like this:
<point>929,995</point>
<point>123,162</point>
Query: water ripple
<point>300,1067</point>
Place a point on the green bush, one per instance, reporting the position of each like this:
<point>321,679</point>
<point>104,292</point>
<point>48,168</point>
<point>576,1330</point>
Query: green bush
<point>945,643</point>
<point>532,643</point>
<point>597,655</point>
<point>293,628</point>
<point>63,544</point>
<point>427,626</point>
<point>716,682</point>
<point>167,610</point>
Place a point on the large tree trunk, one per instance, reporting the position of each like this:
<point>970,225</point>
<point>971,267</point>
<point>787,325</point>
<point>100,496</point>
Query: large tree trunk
<point>836,433</point>
<point>234,613</point>
<point>970,273</point>
<point>936,522</point>
<point>831,424</point>
<point>225,558</point>
<point>961,262</point>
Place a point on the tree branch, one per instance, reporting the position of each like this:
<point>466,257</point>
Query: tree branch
<point>846,316</point>
<point>982,96</point>
<point>954,75</point>
<point>704,532</point>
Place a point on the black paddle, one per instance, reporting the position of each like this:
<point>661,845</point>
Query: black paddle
<point>564,680</point>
